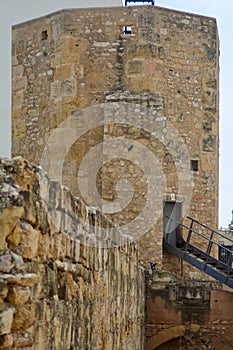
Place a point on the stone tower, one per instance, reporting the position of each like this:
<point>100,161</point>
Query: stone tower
<point>153,63</point>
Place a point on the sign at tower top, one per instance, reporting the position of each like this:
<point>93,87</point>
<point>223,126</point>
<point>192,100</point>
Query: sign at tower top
<point>152,2</point>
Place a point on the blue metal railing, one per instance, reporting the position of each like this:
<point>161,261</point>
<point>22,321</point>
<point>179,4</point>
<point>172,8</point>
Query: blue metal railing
<point>199,249</point>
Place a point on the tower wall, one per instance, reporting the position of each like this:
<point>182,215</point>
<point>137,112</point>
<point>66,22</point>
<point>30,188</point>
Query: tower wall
<point>157,59</point>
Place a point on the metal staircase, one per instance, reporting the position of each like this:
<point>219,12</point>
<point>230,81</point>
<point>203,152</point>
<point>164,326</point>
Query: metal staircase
<point>210,256</point>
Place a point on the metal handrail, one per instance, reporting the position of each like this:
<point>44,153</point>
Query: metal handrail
<point>201,234</point>
<point>210,229</point>
<point>207,259</point>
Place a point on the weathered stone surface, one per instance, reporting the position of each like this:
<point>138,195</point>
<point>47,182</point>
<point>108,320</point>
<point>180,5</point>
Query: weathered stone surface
<point>29,241</point>
<point>18,295</point>
<point>6,341</point>
<point>23,342</point>
<point>168,65</point>
<point>68,62</point>
<point>23,317</point>
<point>30,207</point>
<point>3,290</point>
<point>6,263</point>
<point>53,284</point>
<point>193,315</point>
<point>6,319</point>
<point>8,220</point>
<point>22,280</point>
<point>15,236</point>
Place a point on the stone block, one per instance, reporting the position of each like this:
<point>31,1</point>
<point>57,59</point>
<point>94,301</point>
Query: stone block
<point>15,236</point>
<point>6,319</point>
<point>8,220</point>
<point>209,143</point>
<point>63,72</point>
<point>29,241</point>
<point>30,207</point>
<point>23,342</point>
<point>18,295</point>
<point>23,318</point>
<point>6,263</point>
<point>3,291</point>
<point>25,280</point>
<point>6,342</point>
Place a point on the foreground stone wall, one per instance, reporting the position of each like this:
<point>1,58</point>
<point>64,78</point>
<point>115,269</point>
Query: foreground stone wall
<point>55,291</point>
<point>187,314</point>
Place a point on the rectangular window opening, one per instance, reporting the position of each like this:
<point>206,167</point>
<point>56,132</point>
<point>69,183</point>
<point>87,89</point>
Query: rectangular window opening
<point>194,165</point>
<point>44,35</point>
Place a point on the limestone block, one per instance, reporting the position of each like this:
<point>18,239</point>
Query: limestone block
<point>8,220</point>
<point>55,89</point>
<point>24,174</point>
<point>18,295</point>
<point>135,67</point>
<point>19,84</point>
<point>162,276</point>
<point>14,61</point>
<point>17,100</point>
<point>15,236</point>
<point>209,143</point>
<point>6,319</point>
<point>69,45</point>
<point>19,263</point>
<point>30,207</point>
<point>6,263</point>
<point>25,280</point>
<point>6,342</point>
<point>3,290</point>
<point>23,317</point>
<point>29,241</point>
<point>23,342</point>
<point>63,72</point>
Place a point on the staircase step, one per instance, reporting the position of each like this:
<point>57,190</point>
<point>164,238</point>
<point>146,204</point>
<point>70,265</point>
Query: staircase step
<point>226,270</point>
<point>212,263</point>
<point>213,267</point>
<point>220,266</point>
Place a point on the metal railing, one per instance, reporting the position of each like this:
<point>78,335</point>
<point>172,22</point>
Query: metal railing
<point>209,240</point>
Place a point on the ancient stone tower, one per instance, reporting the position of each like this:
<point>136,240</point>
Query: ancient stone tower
<point>120,105</point>
<point>153,63</point>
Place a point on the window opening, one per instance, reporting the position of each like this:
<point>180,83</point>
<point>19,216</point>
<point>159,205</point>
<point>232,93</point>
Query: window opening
<point>194,165</point>
<point>44,35</point>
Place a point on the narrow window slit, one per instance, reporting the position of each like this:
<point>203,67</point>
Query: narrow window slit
<point>44,35</point>
<point>194,165</point>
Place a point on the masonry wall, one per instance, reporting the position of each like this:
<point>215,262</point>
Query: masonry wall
<point>188,314</point>
<point>77,59</point>
<point>55,291</point>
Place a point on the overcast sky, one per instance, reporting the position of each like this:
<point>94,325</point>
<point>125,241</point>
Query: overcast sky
<point>16,11</point>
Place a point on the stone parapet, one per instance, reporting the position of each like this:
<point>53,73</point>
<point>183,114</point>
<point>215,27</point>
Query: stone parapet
<point>58,291</point>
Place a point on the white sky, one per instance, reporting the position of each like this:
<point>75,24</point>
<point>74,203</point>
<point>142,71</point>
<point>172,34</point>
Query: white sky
<point>16,11</point>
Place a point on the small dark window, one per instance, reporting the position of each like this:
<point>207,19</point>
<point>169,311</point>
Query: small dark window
<point>194,165</point>
<point>127,30</point>
<point>44,35</point>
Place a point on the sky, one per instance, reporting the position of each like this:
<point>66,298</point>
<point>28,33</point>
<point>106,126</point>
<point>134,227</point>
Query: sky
<point>16,11</point>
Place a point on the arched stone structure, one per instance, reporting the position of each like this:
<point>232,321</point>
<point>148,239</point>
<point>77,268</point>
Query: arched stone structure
<point>165,336</point>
